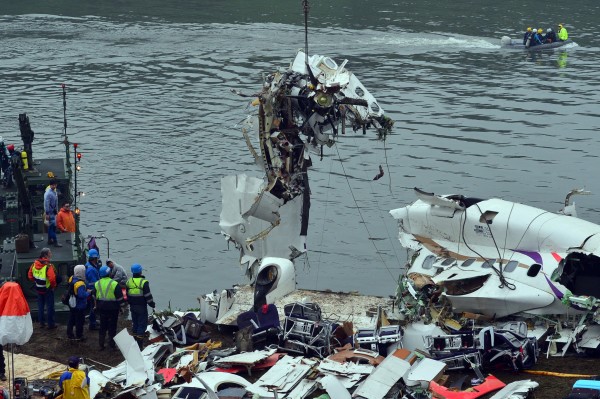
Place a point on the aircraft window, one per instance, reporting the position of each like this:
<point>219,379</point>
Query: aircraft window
<point>468,262</point>
<point>511,266</point>
<point>448,262</point>
<point>488,263</point>
<point>359,91</point>
<point>375,107</point>
<point>428,262</point>
<point>534,270</point>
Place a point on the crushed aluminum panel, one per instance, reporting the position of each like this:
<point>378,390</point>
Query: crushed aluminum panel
<point>117,373</point>
<point>590,338</point>
<point>334,305</point>
<point>266,207</point>
<point>516,390</point>
<point>334,388</point>
<point>149,392</point>
<point>379,383</point>
<point>97,382</point>
<point>246,358</point>
<point>348,354</point>
<point>285,375</point>
<point>425,371</point>
<point>332,367</point>
<point>303,389</point>
<point>156,351</point>
<point>414,333</point>
<point>239,194</point>
<point>139,370</point>
<point>349,373</point>
<point>214,379</point>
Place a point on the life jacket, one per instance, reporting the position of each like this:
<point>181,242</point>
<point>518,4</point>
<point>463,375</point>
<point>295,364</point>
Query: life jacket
<point>105,289</point>
<point>41,280</point>
<point>135,286</point>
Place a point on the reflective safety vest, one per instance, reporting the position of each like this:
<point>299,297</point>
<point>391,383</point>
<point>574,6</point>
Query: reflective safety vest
<point>41,282</point>
<point>135,286</point>
<point>563,34</point>
<point>105,289</point>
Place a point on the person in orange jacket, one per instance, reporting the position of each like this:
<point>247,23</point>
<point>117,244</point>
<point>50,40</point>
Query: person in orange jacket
<point>44,275</point>
<point>65,221</point>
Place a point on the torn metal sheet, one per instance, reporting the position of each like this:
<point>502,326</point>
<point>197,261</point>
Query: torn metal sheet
<point>285,376</point>
<point>304,388</point>
<point>348,354</point>
<point>147,392</point>
<point>214,380</point>
<point>246,358</point>
<point>334,388</point>
<point>424,371</point>
<point>97,382</point>
<point>139,370</point>
<point>381,380</point>
<point>516,390</point>
<point>349,374</point>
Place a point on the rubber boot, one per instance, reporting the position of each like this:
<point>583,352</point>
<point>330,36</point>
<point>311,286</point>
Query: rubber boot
<point>140,341</point>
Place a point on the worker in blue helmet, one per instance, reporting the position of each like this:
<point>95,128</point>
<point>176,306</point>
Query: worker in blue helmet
<point>108,298</point>
<point>139,298</point>
<point>91,277</point>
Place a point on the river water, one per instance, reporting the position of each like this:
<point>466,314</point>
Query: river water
<point>150,103</point>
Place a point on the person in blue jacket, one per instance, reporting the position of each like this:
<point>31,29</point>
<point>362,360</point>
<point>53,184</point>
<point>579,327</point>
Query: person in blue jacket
<point>536,39</point>
<point>77,314</point>
<point>91,276</point>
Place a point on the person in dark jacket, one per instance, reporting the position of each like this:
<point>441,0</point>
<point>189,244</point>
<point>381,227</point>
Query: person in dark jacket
<point>550,36</point>
<point>77,314</point>
<point>536,38</point>
<point>139,297</point>
<point>526,35</point>
<point>108,300</point>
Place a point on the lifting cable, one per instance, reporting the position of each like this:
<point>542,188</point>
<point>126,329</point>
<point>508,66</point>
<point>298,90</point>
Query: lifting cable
<point>499,273</point>
<point>324,221</point>
<point>360,213</point>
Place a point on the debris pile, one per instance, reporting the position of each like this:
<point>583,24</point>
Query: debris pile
<point>300,356</point>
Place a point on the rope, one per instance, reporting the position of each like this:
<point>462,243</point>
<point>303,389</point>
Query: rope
<point>324,220</point>
<point>360,213</point>
<point>556,374</point>
<point>306,8</point>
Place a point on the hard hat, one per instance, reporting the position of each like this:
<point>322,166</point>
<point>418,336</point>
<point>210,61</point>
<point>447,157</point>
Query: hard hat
<point>136,268</point>
<point>549,30</point>
<point>560,25</point>
<point>529,29</point>
<point>540,30</point>
<point>93,253</point>
<point>10,147</point>
<point>104,271</point>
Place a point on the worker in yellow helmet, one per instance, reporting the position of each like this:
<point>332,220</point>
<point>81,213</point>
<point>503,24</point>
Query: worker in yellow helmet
<point>526,35</point>
<point>562,33</point>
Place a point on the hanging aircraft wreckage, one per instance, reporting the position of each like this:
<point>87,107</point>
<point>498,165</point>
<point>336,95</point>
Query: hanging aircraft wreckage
<point>267,218</point>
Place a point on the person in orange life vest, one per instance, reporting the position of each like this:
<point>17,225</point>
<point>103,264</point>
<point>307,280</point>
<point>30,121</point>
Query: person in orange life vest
<point>65,221</point>
<point>44,275</point>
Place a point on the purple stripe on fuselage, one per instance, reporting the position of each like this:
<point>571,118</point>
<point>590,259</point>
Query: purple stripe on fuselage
<point>538,259</point>
<point>533,255</point>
